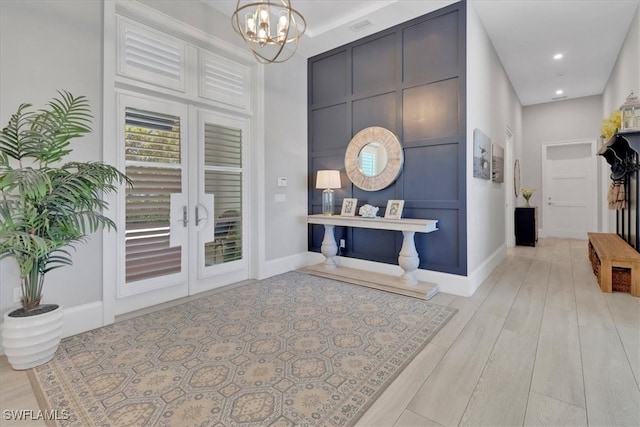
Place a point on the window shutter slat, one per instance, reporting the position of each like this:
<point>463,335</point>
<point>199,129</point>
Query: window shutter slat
<point>223,146</point>
<point>223,149</point>
<point>224,80</point>
<point>151,56</point>
<point>152,142</point>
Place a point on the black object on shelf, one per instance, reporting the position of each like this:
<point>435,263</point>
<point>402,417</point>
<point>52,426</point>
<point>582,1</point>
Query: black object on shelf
<point>526,226</point>
<point>622,152</point>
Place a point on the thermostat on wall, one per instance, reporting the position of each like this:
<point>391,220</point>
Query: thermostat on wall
<point>282,181</point>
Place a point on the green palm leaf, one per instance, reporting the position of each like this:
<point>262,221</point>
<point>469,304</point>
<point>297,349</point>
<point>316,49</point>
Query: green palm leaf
<point>45,209</point>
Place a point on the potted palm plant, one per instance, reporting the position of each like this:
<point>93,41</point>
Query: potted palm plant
<point>46,206</point>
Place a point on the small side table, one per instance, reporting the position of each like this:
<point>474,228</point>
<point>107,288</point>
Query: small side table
<point>526,226</point>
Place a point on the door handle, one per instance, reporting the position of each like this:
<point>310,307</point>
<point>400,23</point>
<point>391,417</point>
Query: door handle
<point>202,214</point>
<point>198,219</point>
<point>185,216</point>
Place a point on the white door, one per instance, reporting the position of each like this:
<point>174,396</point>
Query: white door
<point>177,234</point>
<point>569,189</point>
<point>218,251</point>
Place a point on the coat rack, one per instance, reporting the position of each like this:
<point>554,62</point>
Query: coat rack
<point>621,152</point>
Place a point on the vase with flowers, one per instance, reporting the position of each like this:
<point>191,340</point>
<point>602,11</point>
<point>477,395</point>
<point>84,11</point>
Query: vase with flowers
<point>527,193</point>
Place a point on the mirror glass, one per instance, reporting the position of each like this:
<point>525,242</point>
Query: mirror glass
<point>372,159</point>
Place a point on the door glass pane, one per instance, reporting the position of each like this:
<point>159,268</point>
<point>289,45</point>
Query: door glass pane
<point>152,142</point>
<point>222,146</point>
<point>223,179</point>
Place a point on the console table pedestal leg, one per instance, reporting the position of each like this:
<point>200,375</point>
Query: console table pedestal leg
<point>329,247</point>
<point>408,258</point>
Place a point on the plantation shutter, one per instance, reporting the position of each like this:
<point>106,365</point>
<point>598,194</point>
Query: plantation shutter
<point>152,154</point>
<point>368,162</point>
<point>224,80</point>
<point>223,179</point>
<point>151,56</point>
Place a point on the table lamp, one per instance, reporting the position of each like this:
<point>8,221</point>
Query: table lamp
<point>328,180</point>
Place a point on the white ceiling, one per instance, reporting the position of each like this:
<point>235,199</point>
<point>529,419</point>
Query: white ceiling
<point>525,33</point>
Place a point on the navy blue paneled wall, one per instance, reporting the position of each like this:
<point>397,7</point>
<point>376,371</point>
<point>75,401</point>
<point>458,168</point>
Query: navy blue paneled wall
<point>409,79</point>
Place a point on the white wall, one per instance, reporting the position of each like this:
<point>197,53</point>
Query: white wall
<point>625,75</point>
<point>285,125</point>
<point>624,78</point>
<point>200,16</point>
<point>48,46</point>
<point>570,120</point>
<point>492,105</point>
<point>58,45</point>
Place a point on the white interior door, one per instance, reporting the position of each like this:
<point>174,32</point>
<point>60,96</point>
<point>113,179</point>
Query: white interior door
<point>154,220</point>
<point>182,227</point>
<point>569,190</point>
<point>218,240</point>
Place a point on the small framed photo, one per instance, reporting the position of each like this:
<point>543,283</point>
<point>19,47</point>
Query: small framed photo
<point>349,207</point>
<point>394,209</point>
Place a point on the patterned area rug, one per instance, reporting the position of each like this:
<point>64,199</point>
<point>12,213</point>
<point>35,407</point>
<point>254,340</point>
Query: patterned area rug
<point>291,350</point>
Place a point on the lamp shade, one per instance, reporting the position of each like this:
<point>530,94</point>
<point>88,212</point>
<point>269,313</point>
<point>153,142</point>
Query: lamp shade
<point>328,179</point>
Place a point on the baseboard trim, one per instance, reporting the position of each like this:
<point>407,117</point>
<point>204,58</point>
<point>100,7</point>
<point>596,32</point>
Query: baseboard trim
<point>282,265</point>
<point>488,265</point>
<point>82,318</point>
<point>78,319</point>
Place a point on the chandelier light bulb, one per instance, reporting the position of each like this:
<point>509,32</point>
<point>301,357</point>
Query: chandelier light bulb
<point>262,36</point>
<point>250,24</point>
<point>283,26</point>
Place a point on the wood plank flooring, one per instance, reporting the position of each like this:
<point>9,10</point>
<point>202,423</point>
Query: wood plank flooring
<point>538,344</point>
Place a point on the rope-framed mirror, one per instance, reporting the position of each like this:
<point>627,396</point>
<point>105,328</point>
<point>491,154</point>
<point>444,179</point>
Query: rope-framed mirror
<point>374,158</point>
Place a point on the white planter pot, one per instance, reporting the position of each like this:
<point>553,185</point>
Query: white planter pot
<point>32,340</point>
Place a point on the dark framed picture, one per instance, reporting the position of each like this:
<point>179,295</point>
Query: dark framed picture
<point>481,155</point>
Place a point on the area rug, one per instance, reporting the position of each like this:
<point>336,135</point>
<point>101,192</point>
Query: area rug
<point>290,350</point>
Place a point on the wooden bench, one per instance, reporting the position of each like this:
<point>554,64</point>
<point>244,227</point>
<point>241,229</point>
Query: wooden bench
<point>615,263</point>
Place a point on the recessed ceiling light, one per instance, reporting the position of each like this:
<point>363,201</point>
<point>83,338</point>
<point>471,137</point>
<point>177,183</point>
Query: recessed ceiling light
<point>559,92</point>
<point>557,56</point>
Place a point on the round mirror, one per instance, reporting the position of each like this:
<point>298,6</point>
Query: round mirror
<point>373,159</point>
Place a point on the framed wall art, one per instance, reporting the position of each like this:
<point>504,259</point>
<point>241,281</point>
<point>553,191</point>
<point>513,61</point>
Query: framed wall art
<point>394,209</point>
<point>481,155</point>
<point>349,207</point>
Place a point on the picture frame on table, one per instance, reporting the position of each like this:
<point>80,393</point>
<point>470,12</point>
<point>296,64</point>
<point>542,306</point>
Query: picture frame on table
<point>394,209</point>
<point>349,207</point>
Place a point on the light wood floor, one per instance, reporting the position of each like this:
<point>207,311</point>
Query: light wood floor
<point>537,344</point>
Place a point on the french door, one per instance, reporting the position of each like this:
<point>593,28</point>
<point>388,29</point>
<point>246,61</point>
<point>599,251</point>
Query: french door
<point>182,230</point>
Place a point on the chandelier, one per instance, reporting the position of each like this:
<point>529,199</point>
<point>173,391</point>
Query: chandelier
<point>267,26</point>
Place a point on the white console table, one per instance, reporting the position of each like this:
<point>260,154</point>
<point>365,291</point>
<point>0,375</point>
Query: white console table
<point>407,259</point>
